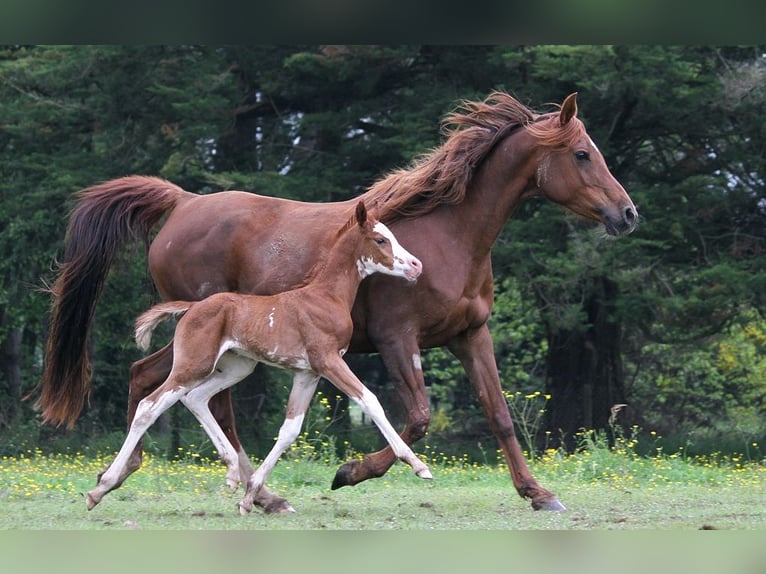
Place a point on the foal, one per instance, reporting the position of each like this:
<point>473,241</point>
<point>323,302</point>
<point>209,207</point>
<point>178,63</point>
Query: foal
<point>219,340</point>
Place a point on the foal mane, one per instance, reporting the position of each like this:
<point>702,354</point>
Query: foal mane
<point>472,130</point>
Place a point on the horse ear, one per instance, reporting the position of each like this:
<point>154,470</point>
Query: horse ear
<point>568,109</point>
<point>361,214</point>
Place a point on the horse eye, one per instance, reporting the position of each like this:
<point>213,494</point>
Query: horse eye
<point>582,155</point>
<point>380,240</point>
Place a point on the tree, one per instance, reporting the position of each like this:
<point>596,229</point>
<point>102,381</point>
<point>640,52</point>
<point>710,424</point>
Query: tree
<point>660,118</point>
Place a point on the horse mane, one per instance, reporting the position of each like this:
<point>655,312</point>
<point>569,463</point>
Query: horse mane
<point>472,131</point>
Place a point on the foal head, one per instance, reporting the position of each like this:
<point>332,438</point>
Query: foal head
<point>573,173</point>
<point>380,252</point>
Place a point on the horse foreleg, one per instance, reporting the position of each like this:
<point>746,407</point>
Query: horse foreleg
<point>475,351</point>
<point>402,361</point>
<point>147,412</point>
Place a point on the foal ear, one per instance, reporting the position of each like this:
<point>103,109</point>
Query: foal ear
<point>568,109</point>
<point>361,214</point>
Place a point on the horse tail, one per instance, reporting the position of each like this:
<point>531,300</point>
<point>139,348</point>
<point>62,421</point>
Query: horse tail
<point>148,321</point>
<point>105,217</point>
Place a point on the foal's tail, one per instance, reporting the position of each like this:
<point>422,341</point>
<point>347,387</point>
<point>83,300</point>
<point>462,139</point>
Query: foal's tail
<point>105,217</point>
<point>149,320</point>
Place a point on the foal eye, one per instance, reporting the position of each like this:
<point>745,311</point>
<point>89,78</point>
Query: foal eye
<point>582,155</point>
<point>380,240</point>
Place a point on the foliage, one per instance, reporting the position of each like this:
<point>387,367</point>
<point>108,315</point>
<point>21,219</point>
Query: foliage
<point>675,310</point>
<point>711,391</point>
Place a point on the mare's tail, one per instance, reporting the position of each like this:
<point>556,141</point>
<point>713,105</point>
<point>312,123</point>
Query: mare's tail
<point>105,217</point>
<point>149,320</point>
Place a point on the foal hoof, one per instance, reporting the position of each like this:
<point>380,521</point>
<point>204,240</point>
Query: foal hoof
<point>552,504</point>
<point>425,473</point>
<point>244,509</point>
<point>90,501</point>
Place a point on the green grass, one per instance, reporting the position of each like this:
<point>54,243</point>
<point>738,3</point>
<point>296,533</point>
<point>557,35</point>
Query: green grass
<point>603,488</point>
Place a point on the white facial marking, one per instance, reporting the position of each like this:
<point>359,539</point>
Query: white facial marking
<point>593,144</point>
<point>402,257</point>
<point>542,170</point>
<point>416,363</point>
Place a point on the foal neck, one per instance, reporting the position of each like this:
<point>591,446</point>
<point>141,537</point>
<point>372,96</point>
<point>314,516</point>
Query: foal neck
<point>337,272</point>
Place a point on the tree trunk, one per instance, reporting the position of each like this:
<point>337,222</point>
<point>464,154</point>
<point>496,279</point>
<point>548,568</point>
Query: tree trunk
<point>584,370</point>
<point>10,364</point>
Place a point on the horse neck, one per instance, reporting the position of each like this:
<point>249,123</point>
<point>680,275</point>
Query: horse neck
<point>505,177</point>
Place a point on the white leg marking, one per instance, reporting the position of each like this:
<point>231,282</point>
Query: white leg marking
<point>304,386</point>
<point>230,369</point>
<point>371,406</point>
<point>146,413</point>
<point>416,363</point>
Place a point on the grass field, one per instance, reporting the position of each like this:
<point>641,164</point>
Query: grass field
<point>603,489</point>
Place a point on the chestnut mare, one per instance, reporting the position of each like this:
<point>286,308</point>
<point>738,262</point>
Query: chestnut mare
<point>219,340</point>
<point>449,208</point>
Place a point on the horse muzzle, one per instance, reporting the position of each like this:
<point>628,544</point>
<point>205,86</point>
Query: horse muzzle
<point>622,222</point>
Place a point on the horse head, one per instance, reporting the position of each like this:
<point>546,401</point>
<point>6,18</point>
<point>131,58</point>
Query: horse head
<point>572,172</point>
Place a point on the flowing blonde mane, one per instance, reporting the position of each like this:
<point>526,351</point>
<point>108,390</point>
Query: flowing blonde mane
<point>472,131</point>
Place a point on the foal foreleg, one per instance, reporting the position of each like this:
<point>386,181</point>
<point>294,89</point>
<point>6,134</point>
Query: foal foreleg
<point>402,361</point>
<point>304,387</point>
<point>147,412</point>
<point>340,375</point>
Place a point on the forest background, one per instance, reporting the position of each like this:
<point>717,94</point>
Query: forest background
<point>667,321</point>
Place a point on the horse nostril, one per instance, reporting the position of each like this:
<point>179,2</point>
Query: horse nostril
<point>630,215</point>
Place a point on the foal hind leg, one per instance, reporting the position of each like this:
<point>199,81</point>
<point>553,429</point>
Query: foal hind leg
<point>221,408</point>
<point>304,387</point>
<point>146,414</point>
<point>146,375</point>
<point>229,370</point>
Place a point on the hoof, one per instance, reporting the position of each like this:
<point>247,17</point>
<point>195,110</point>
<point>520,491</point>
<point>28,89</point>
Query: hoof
<point>346,475</point>
<point>551,504</point>
<point>232,484</point>
<point>244,509</point>
<point>279,507</point>
<point>425,473</point>
<point>90,501</point>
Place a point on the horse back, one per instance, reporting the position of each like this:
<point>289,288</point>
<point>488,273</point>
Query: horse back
<point>242,242</point>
